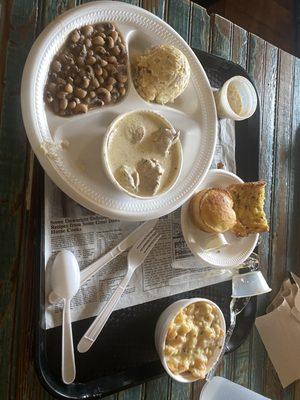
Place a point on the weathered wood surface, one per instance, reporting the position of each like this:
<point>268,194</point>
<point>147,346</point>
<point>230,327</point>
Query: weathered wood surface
<point>277,78</point>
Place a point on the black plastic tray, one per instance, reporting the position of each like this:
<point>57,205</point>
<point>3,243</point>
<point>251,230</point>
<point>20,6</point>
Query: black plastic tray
<point>126,356</point>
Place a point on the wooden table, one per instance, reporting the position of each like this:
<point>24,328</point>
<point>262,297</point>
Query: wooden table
<point>277,78</point>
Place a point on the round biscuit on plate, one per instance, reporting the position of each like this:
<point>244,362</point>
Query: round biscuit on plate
<point>212,210</point>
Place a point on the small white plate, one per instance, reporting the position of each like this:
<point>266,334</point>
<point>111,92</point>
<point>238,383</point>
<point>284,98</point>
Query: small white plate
<point>238,250</point>
<point>78,169</point>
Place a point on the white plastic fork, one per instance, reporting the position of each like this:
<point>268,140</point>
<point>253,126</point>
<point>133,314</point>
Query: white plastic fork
<point>136,256</point>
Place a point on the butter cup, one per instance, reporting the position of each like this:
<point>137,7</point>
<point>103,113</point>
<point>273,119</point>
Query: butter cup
<point>161,330</point>
<point>108,170</point>
<point>247,94</point>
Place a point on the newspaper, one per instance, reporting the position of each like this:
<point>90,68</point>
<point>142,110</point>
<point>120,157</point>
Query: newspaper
<point>88,235</point>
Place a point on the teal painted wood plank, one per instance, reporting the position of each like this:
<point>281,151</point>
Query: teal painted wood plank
<point>13,146</point>
<point>293,256</point>
<point>236,368</point>
<point>180,391</point>
<point>255,62</point>
<point>281,176</point>
<point>284,146</point>
<point>267,136</point>
<point>293,261</point>
<point>196,389</point>
<point>242,360</point>
<point>24,385</point>
<point>226,368</point>
<point>50,9</point>
<point>280,190</point>
<point>134,393</point>
<point>266,172</point>
<point>220,43</point>
<point>263,56</point>
<point>178,17</point>
<point>239,46</point>
<point>157,7</point>
<point>157,389</point>
<point>200,27</point>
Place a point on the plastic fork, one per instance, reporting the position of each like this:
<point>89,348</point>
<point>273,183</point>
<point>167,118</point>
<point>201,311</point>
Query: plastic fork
<point>136,256</point>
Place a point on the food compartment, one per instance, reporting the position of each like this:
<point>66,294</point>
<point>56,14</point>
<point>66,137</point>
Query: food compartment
<point>138,45</point>
<point>89,70</point>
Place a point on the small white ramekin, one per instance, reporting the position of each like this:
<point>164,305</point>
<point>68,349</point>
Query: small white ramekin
<point>161,330</point>
<point>105,155</point>
<point>248,95</point>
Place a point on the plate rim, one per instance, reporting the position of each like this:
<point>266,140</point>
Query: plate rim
<point>28,114</point>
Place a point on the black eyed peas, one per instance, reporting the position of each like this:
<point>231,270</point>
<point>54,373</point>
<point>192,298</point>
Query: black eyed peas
<point>89,71</point>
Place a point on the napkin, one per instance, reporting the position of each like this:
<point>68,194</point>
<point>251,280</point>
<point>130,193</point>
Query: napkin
<point>279,330</point>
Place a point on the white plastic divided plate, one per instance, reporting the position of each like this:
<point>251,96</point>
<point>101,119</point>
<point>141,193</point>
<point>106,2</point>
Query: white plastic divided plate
<point>78,169</point>
<point>238,250</point>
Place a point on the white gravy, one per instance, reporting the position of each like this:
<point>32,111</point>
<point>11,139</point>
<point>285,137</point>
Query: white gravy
<point>123,149</point>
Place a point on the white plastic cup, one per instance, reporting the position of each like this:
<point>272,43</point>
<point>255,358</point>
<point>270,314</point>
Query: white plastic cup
<point>249,284</point>
<point>161,329</point>
<point>222,389</point>
<point>245,91</point>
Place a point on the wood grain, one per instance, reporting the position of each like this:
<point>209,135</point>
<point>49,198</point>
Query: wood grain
<point>268,100</point>
<point>293,259</point>
<point>157,389</point>
<point>277,79</point>
<point>178,16</point>
<point>271,20</point>
<point>18,377</point>
<point>239,46</point>
<point>281,161</point>
<point>19,33</point>
<point>293,255</point>
<point>157,7</point>
<point>237,368</point>
<point>134,393</point>
<point>220,40</point>
<point>180,391</point>
<point>200,27</point>
<point>280,189</point>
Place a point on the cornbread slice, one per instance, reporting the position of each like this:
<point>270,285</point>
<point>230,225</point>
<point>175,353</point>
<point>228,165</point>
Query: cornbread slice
<point>248,204</point>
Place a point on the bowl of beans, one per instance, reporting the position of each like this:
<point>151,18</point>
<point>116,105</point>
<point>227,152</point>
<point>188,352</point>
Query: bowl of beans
<point>89,71</point>
<point>189,338</point>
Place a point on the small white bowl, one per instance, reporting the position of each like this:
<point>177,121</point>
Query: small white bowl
<point>161,330</point>
<point>105,155</point>
<point>248,96</point>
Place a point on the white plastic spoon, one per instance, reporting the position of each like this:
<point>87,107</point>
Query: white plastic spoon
<point>65,280</point>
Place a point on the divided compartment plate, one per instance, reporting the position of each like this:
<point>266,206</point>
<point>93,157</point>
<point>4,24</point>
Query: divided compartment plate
<point>125,353</point>
<point>77,170</point>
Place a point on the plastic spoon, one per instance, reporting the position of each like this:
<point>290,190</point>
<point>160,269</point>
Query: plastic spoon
<point>65,280</point>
